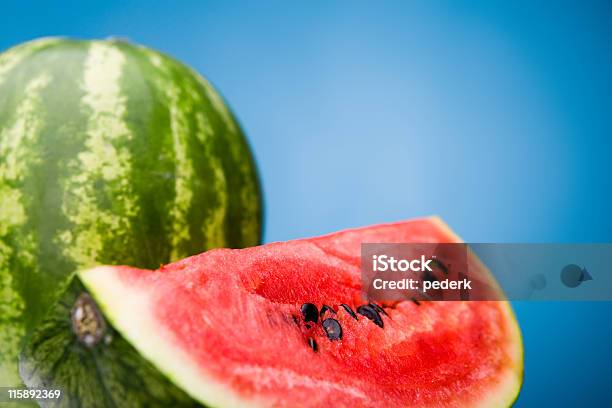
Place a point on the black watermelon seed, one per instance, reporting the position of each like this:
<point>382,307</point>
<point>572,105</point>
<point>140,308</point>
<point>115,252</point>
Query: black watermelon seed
<point>428,276</point>
<point>378,308</point>
<point>440,265</point>
<point>313,344</point>
<point>349,311</point>
<point>370,313</point>
<point>332,329</point>
<point>324,309</point>
<point>310,312</point>
<point>294,317</point>
<point>416,302</point>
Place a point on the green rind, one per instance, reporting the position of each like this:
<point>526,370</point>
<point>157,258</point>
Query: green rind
<point>508,398</point>
<point>110,153</point>
<point>515,380</point>
<point>131,313</point>
<point>112,374</point>
<point>521,359</point>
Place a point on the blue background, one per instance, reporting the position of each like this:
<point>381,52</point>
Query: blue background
<point>496,116</point>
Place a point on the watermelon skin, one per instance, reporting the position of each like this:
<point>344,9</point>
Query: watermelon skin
<point>112,374</point>
<point>109,153</point>
<point>225,326</point>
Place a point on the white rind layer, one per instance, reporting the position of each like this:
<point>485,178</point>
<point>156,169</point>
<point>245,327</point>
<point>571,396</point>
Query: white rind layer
<point>509,388</point>
<point>130,312</point>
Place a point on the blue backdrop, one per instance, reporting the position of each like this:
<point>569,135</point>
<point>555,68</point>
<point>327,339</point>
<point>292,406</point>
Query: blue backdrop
<point>495,115</point>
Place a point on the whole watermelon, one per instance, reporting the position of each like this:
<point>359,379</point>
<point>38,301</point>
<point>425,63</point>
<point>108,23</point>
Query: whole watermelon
<point>110,153</point>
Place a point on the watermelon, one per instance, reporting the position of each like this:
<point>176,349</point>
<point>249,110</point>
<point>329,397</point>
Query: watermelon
<point>103,371</point>
<point>285,325</point>
<point>109,153</point>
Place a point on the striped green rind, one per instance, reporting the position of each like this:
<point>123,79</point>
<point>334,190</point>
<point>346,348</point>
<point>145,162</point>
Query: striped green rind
<point>110,153</point>
<point>112,374</point>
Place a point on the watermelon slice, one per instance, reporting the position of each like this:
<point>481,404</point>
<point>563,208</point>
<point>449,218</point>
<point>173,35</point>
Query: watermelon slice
<point>248,327</point>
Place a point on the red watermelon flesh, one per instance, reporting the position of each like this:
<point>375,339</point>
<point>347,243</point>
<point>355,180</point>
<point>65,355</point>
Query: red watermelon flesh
<point>227,327</point>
